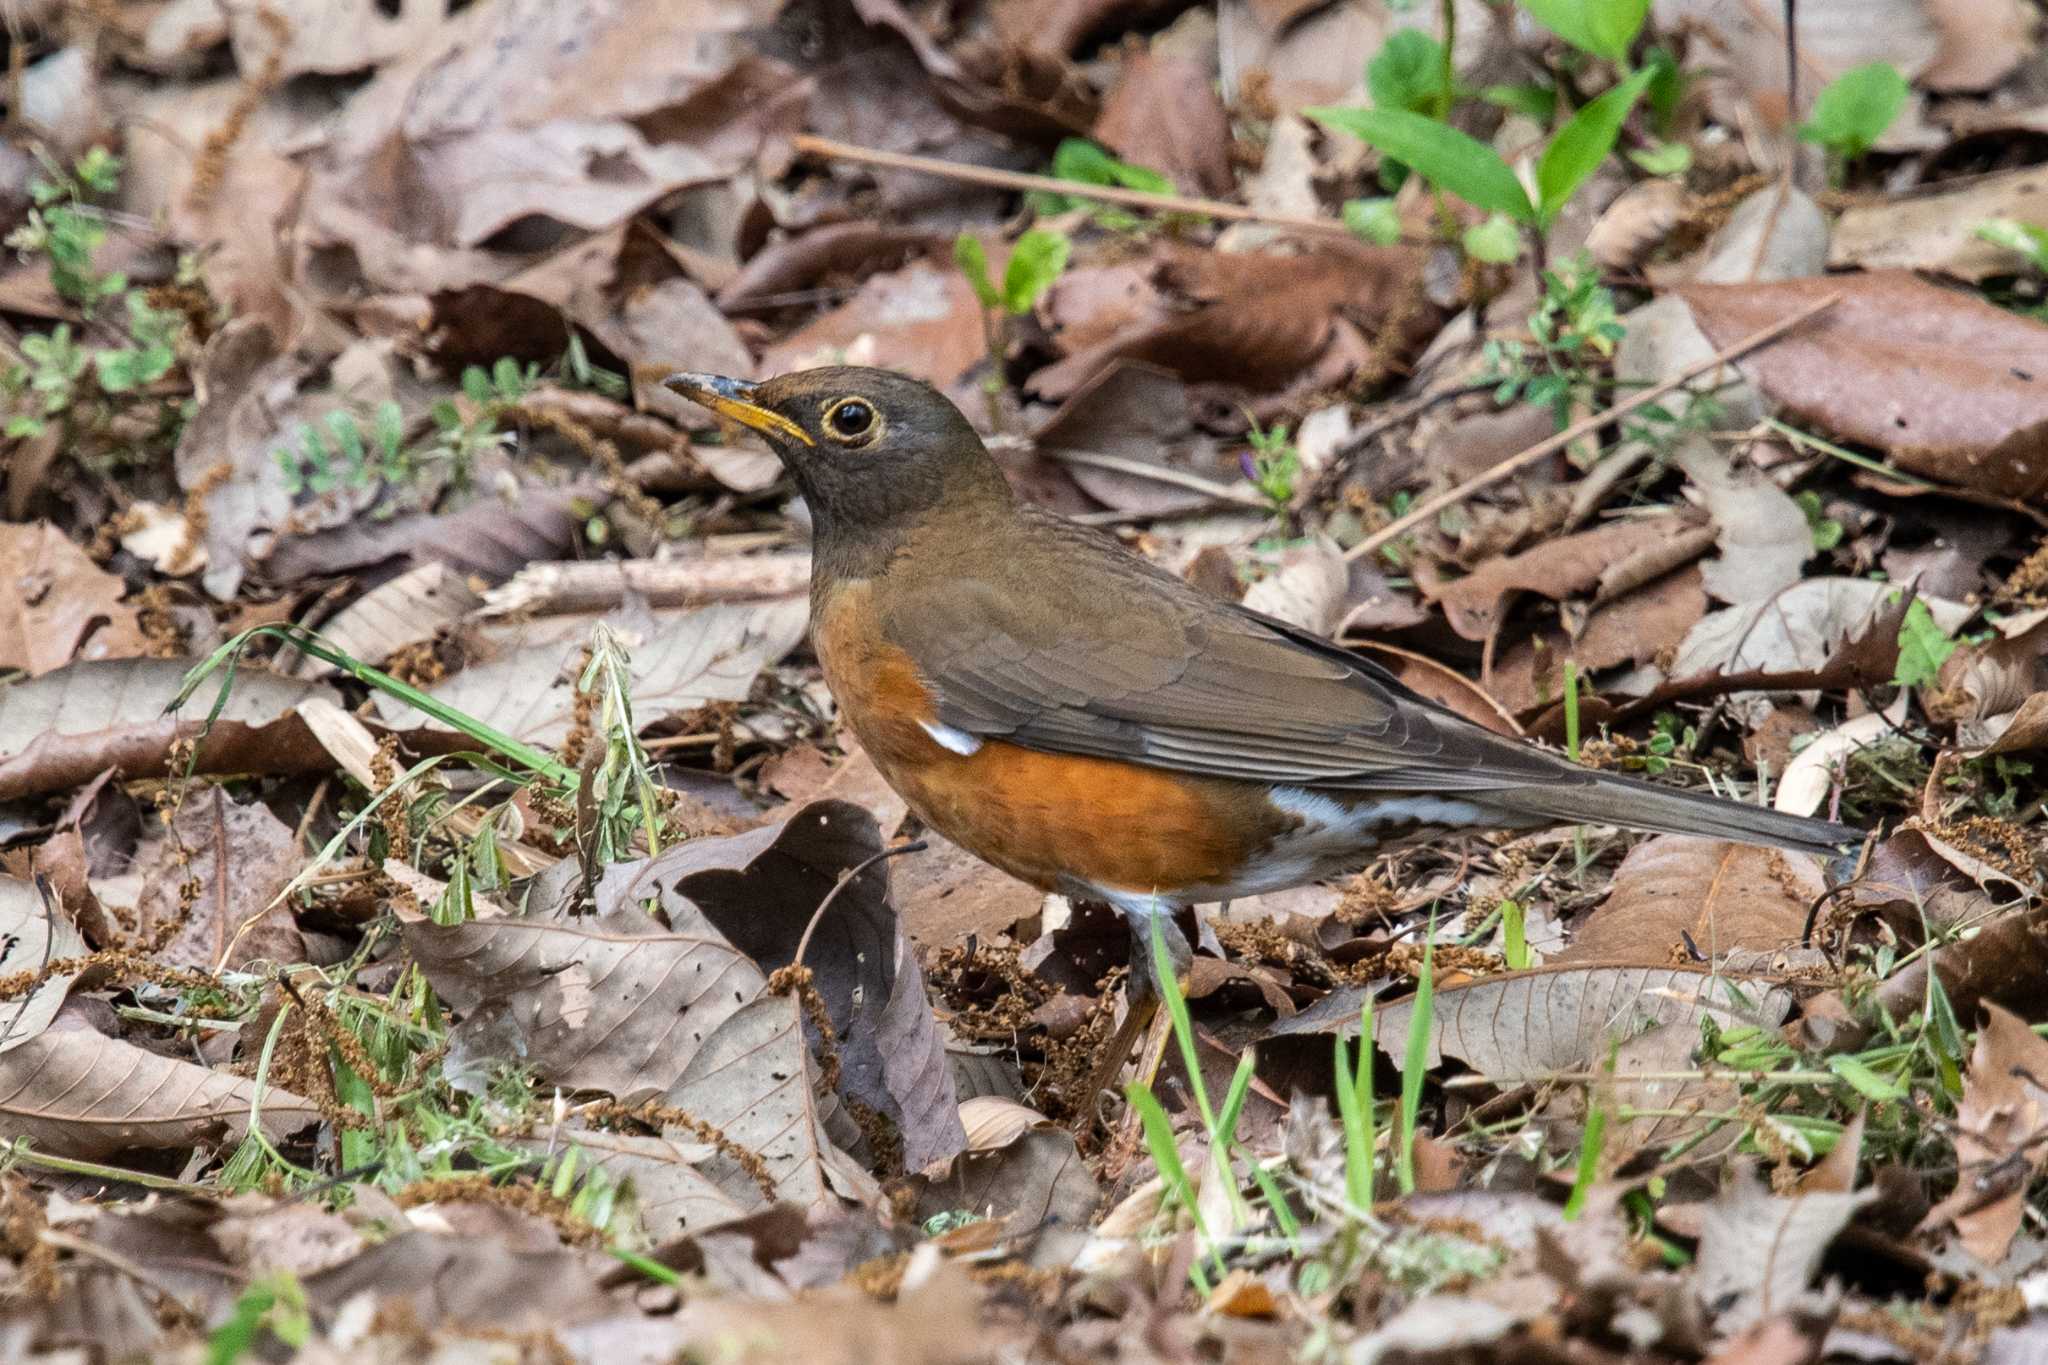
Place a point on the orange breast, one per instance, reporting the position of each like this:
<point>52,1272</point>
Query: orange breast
<point>1049,819</point>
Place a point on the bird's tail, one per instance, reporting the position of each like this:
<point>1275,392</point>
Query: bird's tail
<point>1624,801</point>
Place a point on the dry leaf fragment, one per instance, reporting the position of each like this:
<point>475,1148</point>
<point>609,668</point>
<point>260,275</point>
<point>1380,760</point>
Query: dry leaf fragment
<point>1759,1252</point>
<point>696,657</point>
<point>63,729</point>
<point>1949,385</point>
<point>405,611</point>
<point>33,936</point>
<point>80,1093</point>
<point>1723,897</point>
<point>242,858</point>
<point>53,598</point>
<point>2000,1126</point>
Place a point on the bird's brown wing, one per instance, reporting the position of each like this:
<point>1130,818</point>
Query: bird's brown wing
<point>1116,659</point>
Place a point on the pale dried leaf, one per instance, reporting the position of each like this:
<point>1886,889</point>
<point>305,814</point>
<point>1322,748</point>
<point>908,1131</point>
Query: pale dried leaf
<point>1999,1124</point>
<point>1936,230</point>
<point>65,728</point>
<point>241,858</point>
<point>77,1093</point>
<point>410,608</point>
<point>329,37</point>
<point>1759,1252</point>
<point>32,937</point>
<point>1725,897</point>
<point>754,1080</point>
<point>1760,531</point>
<point>697,657</point>
<point>56,604</point>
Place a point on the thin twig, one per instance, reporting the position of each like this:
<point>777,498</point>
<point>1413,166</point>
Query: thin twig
<point>828,149</point>
<point>1586,426</point>
<point>917,846</point>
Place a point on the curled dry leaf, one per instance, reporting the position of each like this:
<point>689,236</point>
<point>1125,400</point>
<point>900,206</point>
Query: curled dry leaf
<point>669,1183</point>
<point>1631,228</point>
<point>694,658</point>
<point>1723,897</point>
<point>1525,1025</point>
<point>33,936</point>
<point>242,858</point>
<point>1944,382</point>
<point>1306,587</point>
<point>411,608</point>
<point>1999,1123</point>
<point>79,1093</point>
<point>1813,771</point>
<point>1556,569</point>
<point>760,890</point>
<point>330,37</point>
<point>56,604</point>
<point>65,728</point>
<point>922,320</point>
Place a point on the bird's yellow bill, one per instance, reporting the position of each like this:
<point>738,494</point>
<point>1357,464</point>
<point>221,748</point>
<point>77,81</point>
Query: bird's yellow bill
<point>733,399</point>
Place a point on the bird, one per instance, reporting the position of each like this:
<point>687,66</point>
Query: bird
<point>1095,725</point>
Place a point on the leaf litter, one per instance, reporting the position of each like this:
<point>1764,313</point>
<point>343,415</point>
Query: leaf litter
<point>505,947</point>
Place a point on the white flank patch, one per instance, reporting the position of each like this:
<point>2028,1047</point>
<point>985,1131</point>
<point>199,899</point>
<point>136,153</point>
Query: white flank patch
<point>1323,816</point>
<point>958,741</point>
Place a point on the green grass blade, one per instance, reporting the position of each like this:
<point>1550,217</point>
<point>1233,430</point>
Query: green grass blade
<point>1183,1026</point>
<point>1421,1026</point>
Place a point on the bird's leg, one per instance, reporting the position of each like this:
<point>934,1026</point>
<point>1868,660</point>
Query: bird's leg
<point>1142,996</point>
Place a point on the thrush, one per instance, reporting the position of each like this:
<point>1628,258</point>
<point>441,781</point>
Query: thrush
<point>1092,724</point>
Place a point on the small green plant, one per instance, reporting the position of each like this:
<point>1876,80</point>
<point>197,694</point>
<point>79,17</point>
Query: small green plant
<point>1827,533</point>
<point>1599,28</point>
<point>1853,111</point>
<point>1036,262</point>
<point>61,379</point>
<point>1573,333</point>
<point>338,455</point>
<point>1273,464</point>
<point>275,1303</point>
<point>1923,647</point>
<point>65,226</point>
<point>1087,163</point>
<point>1460,164</point>
<point>2024,238</point>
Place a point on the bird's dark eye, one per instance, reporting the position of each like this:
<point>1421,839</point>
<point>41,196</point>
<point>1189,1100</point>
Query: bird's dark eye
<point>850,418</point>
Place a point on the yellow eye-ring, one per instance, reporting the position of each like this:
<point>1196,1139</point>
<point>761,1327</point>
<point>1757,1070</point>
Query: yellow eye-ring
<point>852,421</point>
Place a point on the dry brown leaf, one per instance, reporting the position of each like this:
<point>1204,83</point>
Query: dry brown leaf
<point>755,1081</point>
<point>330,37</point>
<point>241,858</point>
<point>1525,1025</point>
<point>1936,230</point>
<point>834,249</point>
<point>1725,897</point>
<point>63,729</point>
<point>673,1193</point>
<point>921,320</point>
<point>1556,569</point>
<point>77,1093</point>
<point>56,604</point>
<point>1944,382</point>
<point>1999,1127</point>
<point>1744,46</point>
<point>32,937</point>
<point>1982,41</point>
<point>1804,629</point>
<point>1759,1251</point>
<point>245,394</point>
<point>1142,414</point>
<point>2023,730</point>
<point>405,611</point>
<point>1018,1164</point>
<point>1634,629</point>
<point>1163,113</point>
<point>1760,531</point>
<point>615,1002</point>
<point>694,658</point>
<point>491,539</point>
